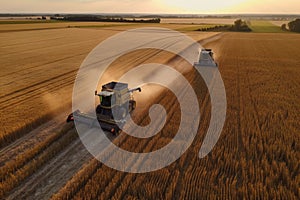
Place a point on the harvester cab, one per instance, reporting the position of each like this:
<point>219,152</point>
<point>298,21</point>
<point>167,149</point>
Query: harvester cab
<point>116,102</point>
<point>115,99</point>
<point>206,59</point>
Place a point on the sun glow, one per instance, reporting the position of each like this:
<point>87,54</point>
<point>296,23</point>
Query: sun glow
<point>203,6</point>
<point>152,6</point>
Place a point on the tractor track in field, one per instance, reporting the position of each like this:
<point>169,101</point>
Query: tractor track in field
<point>37,93</point>
<point>250,93</point>
<point>32,29</point>
<point>46,63</point>
<point>33,42</point>
<point>240,143</point>
<point>34,85</point>
<point>26,51</point>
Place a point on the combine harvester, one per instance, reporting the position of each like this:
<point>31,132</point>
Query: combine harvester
<point>206,59</point>
<point>116,102</point>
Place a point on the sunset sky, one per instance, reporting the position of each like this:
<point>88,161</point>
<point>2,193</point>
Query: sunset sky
<point>152,6</point>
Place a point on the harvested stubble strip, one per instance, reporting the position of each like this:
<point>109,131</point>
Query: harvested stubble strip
<point>33,165</point>
<point>13,165</point>
<point>77,181</point>
<point>9,137</point>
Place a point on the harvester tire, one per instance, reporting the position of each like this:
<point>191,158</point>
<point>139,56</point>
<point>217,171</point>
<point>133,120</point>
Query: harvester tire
<point>132,105</point>
<point>98,109</point>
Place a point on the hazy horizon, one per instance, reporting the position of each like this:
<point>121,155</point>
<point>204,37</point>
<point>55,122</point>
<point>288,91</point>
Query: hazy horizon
<point>147,13</point>
<point>287,7</point>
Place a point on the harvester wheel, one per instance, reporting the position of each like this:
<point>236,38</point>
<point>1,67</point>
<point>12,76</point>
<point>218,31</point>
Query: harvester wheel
<point>70,118</point>
<point>98,109</point>
<point>132,105</point>
<point>116,131</point>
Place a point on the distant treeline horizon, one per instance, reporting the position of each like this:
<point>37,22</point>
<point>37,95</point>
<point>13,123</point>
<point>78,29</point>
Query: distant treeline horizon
<point>94,18</point>
<point>136,15</point>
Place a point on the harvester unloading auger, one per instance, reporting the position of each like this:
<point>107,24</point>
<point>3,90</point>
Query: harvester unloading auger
<point>116,102</point>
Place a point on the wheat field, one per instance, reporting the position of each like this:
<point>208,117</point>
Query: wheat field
<point>256,157</point>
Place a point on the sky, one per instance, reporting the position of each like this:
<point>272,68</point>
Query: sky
<point>151,6</point>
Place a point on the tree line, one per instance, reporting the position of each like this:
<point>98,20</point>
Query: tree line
<point>90,18</point>
<point>238,26</point>
<point>293,26</point>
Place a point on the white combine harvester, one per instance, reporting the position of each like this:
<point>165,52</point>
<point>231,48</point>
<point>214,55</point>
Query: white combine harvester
<point>206,59</point>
